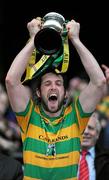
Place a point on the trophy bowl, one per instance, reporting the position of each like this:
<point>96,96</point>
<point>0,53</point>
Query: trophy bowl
<point>48,40</point>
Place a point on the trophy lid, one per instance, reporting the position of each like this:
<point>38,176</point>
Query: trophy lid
<point>53,16</point>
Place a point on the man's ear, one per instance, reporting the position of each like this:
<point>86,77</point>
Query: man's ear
<point>38,93</point>
<point>66,94</point>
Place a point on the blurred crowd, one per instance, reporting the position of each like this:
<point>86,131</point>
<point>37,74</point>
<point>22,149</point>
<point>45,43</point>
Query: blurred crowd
<point>10,140</point>
<point>76,85</point>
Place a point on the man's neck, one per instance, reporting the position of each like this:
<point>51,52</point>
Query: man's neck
<point>51,114</point>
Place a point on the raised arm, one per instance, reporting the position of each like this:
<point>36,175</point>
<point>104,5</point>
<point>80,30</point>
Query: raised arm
<point>19,94</point>
<point>92,94</point>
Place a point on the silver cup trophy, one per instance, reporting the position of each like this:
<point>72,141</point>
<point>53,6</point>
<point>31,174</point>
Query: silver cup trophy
<point>48,40</point>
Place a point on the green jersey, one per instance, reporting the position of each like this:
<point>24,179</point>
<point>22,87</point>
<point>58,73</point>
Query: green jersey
<point>51,146</point>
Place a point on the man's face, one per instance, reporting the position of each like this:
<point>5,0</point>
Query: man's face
<point>91,134</point>
<point>52,92</point>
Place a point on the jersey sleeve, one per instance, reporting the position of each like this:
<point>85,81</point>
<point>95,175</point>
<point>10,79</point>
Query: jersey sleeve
<point>24,117</point>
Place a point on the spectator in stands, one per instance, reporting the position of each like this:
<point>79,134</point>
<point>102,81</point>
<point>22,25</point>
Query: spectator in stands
<point>97,158</point>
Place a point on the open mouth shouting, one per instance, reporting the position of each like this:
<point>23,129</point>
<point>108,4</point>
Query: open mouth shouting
<point>53,97</point>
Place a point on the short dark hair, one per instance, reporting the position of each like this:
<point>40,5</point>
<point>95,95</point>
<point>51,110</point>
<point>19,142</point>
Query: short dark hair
<point>39,79</point>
